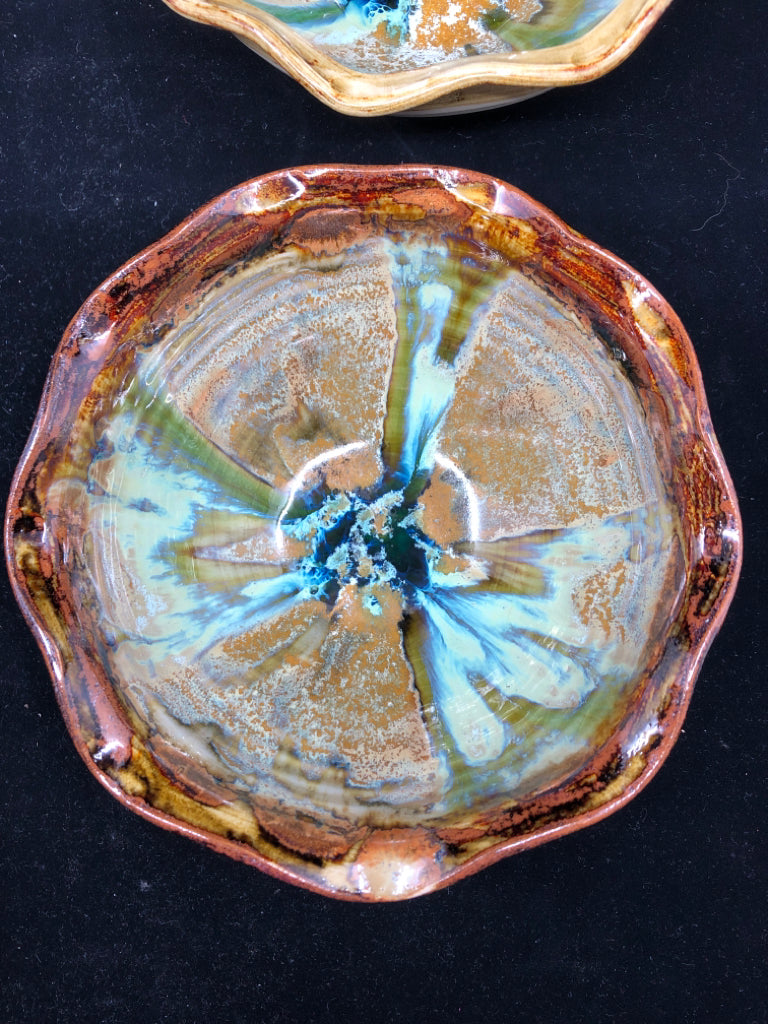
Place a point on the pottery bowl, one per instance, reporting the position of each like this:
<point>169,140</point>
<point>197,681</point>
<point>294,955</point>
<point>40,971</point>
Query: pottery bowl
<point>435,56</point>
<point>373,527</point>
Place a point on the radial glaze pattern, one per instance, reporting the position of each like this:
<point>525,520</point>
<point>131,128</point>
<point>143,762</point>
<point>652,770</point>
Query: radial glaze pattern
<point>372,529</point>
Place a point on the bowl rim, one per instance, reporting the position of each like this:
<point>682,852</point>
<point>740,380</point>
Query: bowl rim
<point>363,94</point>
<point>118,731</point>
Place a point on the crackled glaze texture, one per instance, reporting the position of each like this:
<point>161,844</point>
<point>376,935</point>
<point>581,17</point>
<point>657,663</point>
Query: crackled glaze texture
<point>437,56</point>
<point>363,534</point>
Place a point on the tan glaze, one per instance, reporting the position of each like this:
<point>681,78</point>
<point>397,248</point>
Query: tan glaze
<point>136,304</point>
<point>471,83</point>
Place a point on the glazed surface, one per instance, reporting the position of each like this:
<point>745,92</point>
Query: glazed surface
<point>372,528</point>
<point>433,56</point>
<point>396,35</point>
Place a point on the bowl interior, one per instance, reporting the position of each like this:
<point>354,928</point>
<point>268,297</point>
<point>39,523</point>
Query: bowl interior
<point>375,37</point>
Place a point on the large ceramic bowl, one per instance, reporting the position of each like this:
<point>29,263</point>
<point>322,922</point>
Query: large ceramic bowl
<point>433,56</point>
<point>373,527</point>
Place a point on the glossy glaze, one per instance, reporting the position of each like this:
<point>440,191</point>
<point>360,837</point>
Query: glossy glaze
<point>373,527</point>
<point>434,56</point>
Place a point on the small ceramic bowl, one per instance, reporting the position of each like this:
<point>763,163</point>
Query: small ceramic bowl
<point>433,56</point>
<point>373,527</point>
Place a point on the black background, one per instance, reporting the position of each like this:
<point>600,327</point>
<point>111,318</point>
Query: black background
<point>120,118</point>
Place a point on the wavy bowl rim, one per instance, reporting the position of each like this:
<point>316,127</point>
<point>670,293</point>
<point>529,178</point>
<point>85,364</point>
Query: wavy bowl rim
<point>43,431</point>
<point>364,94</point>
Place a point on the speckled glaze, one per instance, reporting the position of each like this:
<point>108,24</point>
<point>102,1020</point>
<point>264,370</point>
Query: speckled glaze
<point>433,56</point>
<point>373,527</point>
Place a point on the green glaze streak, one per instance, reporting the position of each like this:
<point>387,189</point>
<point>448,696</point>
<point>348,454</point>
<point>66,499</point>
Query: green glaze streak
<point>536,564</point>
<point>399,385</point>
<point>438,295</point>
<point>176,439</point>
<point>560,22</point>
<point>476,278</point>
<point>216,574</point>
<point>308,14</point>
<point>415,633</point>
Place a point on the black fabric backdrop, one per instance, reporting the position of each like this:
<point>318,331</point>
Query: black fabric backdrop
<point>119,119</point>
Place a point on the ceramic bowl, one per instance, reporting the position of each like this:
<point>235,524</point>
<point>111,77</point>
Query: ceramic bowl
<point>434,56</point>
<point>373,527</point>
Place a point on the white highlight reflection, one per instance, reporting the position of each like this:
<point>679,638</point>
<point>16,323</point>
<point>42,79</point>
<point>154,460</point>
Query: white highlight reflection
<point>301,477</point>
<point>259,200</point>
<point>469,491</point>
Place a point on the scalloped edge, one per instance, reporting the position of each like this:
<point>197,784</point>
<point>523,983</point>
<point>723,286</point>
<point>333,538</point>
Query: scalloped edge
<point>428,865</point>
<point>515,76</point>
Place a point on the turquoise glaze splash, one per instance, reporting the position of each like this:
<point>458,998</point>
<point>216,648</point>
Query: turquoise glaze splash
<point>356,17</point>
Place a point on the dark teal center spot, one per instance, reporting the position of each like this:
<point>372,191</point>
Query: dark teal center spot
<point>349,550</point>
